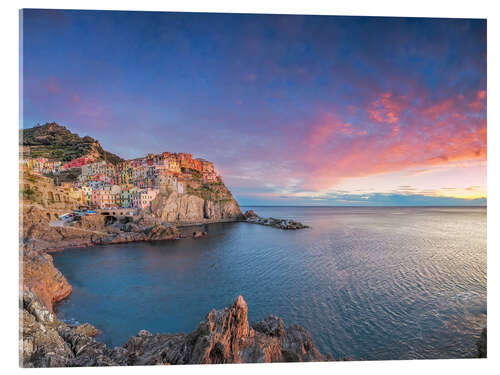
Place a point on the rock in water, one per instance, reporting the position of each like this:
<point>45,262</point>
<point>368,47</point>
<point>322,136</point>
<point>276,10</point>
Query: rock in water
<point>199,234</point>
<point>286,224</point>
<point>250,214</point>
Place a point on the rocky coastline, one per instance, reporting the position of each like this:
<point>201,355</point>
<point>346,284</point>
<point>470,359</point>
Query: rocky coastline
<point>224,336</point>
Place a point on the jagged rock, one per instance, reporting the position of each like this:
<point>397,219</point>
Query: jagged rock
<point>271,326</point>
<point>87,330</point>
<point>223,336</point>
<point>297,345</point>
<point>482,344</point>
<point>41,344</point>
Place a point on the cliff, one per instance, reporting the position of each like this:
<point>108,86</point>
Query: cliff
<point>39,275</point>
<point>224,336</point>
<point>172,207</point>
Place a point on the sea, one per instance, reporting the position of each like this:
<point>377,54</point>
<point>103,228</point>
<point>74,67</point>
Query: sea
<point>368,283</point>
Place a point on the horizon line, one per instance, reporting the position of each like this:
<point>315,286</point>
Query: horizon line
<point>371,206</point>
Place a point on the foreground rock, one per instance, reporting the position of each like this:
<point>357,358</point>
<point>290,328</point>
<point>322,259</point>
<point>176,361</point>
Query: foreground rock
<point>87,330</point>
<point>39,275</point>
<point>251,217</point>
<point>482,344</point>
<point>224,336</point>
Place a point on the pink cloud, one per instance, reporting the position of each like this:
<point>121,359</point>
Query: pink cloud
<point>387,108</point>
<point>449,130</point>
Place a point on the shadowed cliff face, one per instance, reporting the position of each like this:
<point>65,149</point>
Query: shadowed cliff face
<point>224,336</point>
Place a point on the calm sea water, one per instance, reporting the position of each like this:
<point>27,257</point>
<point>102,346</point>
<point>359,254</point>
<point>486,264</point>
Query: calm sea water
<point>368,283</point>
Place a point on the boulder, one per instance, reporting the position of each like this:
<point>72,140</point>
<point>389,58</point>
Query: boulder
<point>199,234</point>
<point>250,214</point>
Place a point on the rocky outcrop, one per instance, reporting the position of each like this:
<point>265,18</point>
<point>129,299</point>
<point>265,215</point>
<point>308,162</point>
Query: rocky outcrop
<point>482,344</point>
<point>135,233</point>
<point>40,235</point>
<point>93,222</point>
<point>39,275</point>
<point>172,207</point>
<point>87,330</point>
<point>286,224</point>
<point>250,214</point>
<point>37,233</point>
<point>224,336</point>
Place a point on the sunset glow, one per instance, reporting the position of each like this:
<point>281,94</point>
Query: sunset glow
<point>291,109</point>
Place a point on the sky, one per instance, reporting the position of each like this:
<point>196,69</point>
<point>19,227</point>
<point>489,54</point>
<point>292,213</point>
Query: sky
<point>293,110</point>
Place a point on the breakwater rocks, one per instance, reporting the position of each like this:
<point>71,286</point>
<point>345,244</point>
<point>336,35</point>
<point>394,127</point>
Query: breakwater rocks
<point>224,336</point>
<point>286,224</point>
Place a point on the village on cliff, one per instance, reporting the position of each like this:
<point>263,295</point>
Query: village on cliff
<point>129,184</point>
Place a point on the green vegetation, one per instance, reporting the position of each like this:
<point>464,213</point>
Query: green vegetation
<point>55,142</point>
<point>214,192</point>
<point>195,173</point>
<point>29,193</point>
